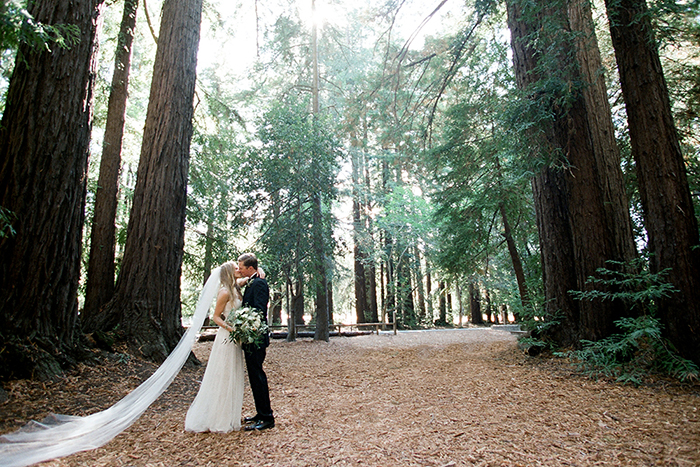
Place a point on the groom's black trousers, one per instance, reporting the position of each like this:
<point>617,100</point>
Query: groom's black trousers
<point>254,358</point>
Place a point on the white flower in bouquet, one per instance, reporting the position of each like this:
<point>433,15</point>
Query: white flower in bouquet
<point>248,326</point>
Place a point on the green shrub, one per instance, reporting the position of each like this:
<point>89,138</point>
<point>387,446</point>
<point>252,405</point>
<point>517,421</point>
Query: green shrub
<point>640,348</point>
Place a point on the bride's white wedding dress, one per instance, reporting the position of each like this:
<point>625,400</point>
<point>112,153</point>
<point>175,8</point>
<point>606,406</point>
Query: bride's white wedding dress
<point>62,435</point>
<point>217,406</point>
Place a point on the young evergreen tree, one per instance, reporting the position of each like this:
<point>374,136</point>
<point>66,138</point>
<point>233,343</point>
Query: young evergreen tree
<point>44,146</point>
<point>295,165</point>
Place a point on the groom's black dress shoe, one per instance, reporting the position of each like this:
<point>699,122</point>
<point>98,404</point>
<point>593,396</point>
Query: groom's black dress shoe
<point>248,420</point>
<point>258,425</point>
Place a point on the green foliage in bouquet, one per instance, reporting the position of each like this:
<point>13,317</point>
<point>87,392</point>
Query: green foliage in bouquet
<point>248,326</point>
<point>640,349</point>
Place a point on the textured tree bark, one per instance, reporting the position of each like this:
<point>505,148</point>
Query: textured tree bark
<point>579,197</point>
<point>147,295</point>
<point>607,165</point>
<point>670,222</point>
<point>44,145</point>
<point>99,287</point>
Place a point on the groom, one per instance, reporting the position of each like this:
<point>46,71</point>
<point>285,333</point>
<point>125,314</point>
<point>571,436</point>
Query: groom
<point>256,295</point>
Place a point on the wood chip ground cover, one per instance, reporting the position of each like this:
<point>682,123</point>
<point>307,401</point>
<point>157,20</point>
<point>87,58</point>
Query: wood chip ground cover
<point>434,398</point>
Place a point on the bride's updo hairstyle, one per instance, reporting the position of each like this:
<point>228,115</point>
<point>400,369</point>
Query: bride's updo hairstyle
<point>228,278</point>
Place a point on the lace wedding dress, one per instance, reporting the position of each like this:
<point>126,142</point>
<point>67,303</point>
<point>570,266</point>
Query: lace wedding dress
<point>217,406</point>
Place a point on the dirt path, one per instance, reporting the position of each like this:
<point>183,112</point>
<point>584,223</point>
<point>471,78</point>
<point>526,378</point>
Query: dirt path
<point>441,398</point>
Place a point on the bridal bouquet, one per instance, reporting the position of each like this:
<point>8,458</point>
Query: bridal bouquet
<point>248,326</point>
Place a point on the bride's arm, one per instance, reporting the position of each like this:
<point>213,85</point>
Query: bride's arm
<point>221,301</point>
<point>242,281</point>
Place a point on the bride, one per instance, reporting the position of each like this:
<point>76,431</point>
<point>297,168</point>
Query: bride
<point>217,406</point>
<point>63,435</point>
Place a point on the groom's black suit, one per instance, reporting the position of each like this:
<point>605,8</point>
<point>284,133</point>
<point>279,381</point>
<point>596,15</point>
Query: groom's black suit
<point>257,295</point>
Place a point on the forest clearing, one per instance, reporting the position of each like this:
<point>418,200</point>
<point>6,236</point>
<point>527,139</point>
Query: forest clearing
<point>428,398</point>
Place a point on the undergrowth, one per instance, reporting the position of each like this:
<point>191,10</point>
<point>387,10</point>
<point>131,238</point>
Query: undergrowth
<point>640,348</point>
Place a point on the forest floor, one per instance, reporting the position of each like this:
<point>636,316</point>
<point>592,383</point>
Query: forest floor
<point>432,398</point>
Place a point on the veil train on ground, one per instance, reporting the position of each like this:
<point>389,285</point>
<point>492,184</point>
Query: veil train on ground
<point>62,435</point>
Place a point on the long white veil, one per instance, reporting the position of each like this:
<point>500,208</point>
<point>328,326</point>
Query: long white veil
<point>62,435</point>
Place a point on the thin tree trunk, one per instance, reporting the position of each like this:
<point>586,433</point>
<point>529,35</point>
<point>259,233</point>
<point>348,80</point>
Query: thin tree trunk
<point>44,146</point>
<point>442,294</point>
<point>361,305</point>
<point>370,267</point>
<point>99,287</point>
<point>420,290</point>
<point>458,290</point>
<point>663,185</point>
<point>515,259</point>
<point>429,295</point>
<point>408,312</point>
<point>147,297</point>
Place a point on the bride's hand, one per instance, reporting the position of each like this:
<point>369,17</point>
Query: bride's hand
<point>261,273</point>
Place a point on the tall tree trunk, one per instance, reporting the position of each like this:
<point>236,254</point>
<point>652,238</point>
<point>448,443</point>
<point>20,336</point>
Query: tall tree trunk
<point>370,266</point>
<point>408,313</point>
<point>321,280</point>
<point>458,290</point>
<point>390,292</point>
<point>515,259</point>
<point>598,321</point>
<point>418,278</point>
<point>99,287</point>
<point>442,294</point>
<point>147,296</point>
<point>276,307</point>
<point>449,308</point>
<point>663,186</point>
<point>429,294</point>
<point>44,146</point>
<point>322,331</point>
<point>579,232</point>
<point>513,251</point>
<point>361,302</point>
<point>298,303</point>
<point>475,304</point>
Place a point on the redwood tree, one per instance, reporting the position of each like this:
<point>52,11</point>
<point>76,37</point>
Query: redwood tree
<point>147,296</point>
<point>100,273</point>
<point>579,199</point>
<point>669,216</point>
<point>44,144</point>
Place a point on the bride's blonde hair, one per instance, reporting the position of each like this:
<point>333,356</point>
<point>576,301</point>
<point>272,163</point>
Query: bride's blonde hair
<point>227,277</point>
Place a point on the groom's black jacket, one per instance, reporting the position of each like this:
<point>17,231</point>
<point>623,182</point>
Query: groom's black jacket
<point>257,295</point>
